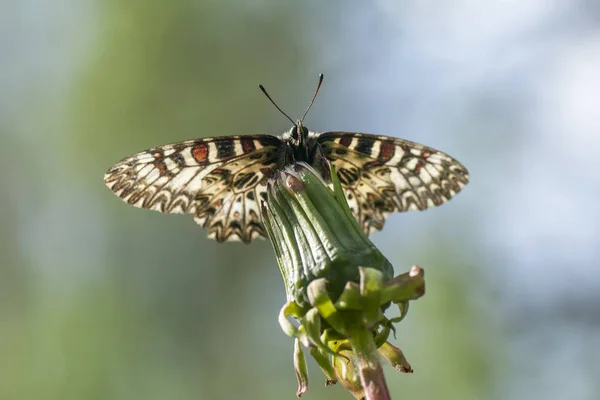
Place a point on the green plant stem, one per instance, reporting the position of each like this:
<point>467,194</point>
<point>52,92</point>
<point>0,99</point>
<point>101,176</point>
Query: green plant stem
<point>367,361</point>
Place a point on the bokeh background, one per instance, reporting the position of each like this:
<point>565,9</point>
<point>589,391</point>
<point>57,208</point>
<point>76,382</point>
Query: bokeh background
<point>99,300</point>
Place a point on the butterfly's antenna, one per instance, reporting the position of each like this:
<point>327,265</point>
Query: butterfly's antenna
<point>314,97</point>
<point>269,97</point>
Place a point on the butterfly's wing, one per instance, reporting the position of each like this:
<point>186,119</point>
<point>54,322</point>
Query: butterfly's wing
<point>381,174</point>
<point>219,180</point>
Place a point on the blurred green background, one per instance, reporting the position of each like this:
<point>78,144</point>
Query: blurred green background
<point>99,300</point>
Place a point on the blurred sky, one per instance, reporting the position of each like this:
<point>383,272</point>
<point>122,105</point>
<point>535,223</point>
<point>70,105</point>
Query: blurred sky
<point>98,299</point>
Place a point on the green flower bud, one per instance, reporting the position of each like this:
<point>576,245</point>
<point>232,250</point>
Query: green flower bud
<point>338,283</point>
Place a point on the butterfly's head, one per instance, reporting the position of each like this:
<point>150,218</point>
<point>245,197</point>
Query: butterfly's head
<point>299,134</point>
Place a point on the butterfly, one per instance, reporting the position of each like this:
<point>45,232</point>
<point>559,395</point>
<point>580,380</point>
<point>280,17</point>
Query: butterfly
<point>222,180</point>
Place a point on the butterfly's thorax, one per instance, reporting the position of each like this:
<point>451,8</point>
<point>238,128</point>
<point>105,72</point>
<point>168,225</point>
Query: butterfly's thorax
<point>300,145</point>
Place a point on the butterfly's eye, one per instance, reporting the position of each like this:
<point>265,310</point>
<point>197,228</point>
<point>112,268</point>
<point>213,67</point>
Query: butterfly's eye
<point>294,133</point>
<point>304,131</point>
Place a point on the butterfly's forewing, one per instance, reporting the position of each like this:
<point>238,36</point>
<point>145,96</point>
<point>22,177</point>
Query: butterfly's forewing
<point>220,180</point>
<point>381,174</point>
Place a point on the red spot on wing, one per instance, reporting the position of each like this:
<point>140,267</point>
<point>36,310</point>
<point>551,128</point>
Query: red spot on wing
<point>266,171</point>
<point>426,155</point>
<point>387,151</point>
<point>200,153</point>
<point>162,167</point>
<point>345,141</point>
<point>248,145</point>
<point>372,164</point>
<point>419,166</point>
<point>266,175</point>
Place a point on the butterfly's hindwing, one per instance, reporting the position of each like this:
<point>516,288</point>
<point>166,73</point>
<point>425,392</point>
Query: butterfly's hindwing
<point>381,174</point>
<point>220,180</point>
<point>231,194</point>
